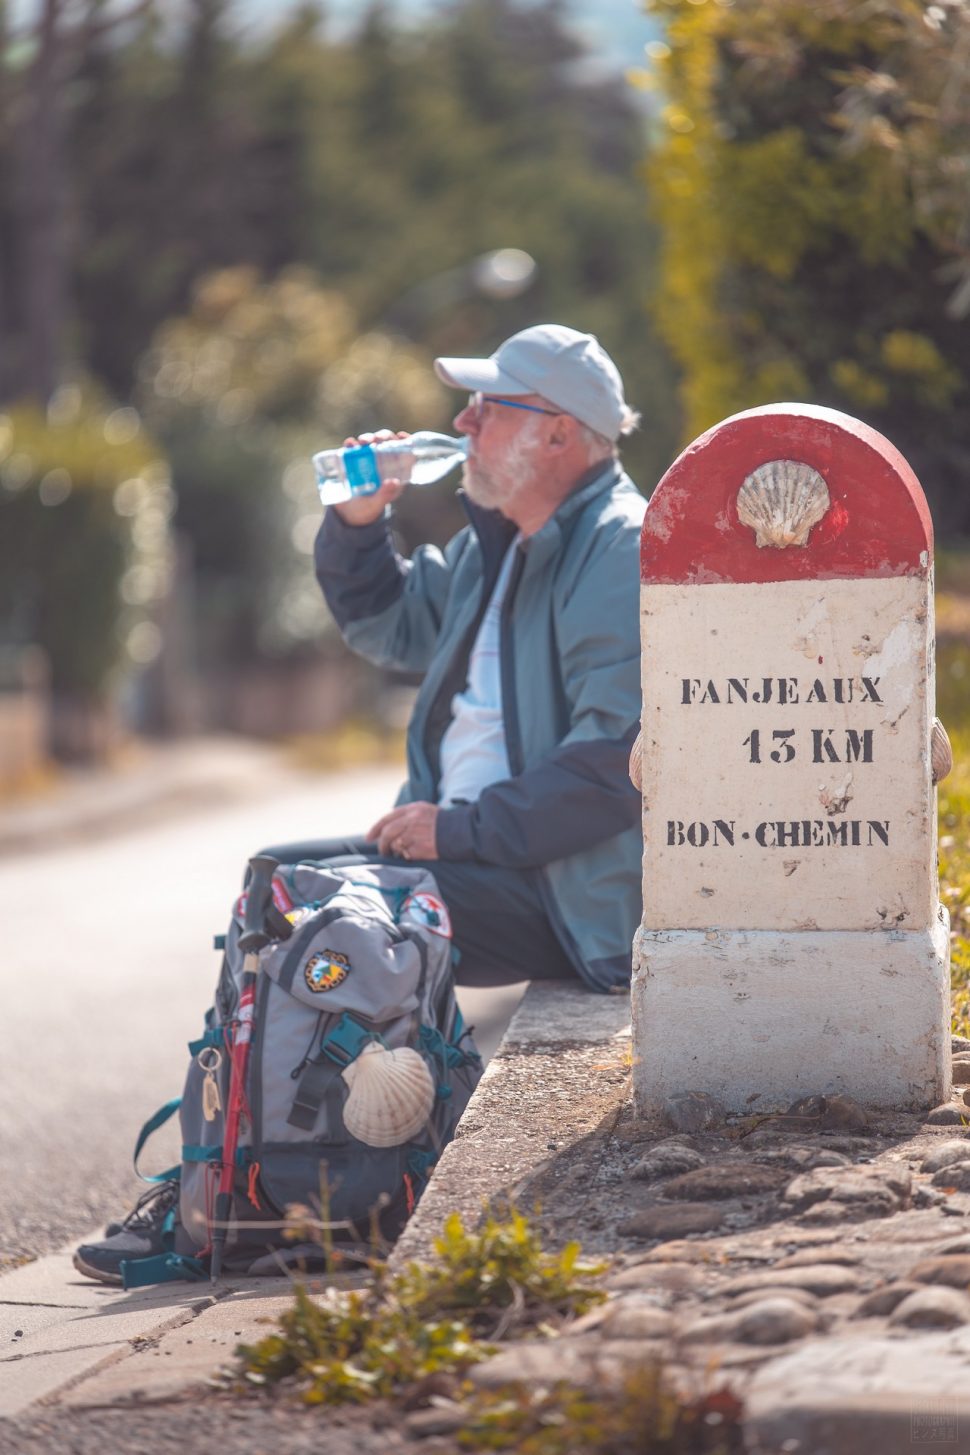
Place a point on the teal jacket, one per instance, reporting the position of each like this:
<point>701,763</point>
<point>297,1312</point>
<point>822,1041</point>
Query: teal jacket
<point>570,655</point>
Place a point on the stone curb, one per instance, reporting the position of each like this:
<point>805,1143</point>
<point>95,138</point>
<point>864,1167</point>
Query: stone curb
<point>537,1094</point>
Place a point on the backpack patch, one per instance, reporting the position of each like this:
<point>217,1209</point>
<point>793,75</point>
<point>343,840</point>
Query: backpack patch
<point>325,971</point>
<point>427,910</point>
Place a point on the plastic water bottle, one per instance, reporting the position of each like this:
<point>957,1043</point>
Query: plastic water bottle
<point>422,458</point>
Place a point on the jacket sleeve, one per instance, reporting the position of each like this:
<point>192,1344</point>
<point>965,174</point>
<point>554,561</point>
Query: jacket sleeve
<point>580,794</point>
<point>388,609</point>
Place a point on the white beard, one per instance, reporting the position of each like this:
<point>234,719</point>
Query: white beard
<point>496,489</point>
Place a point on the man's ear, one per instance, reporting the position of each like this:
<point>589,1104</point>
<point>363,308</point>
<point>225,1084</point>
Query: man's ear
<point>563,432</point>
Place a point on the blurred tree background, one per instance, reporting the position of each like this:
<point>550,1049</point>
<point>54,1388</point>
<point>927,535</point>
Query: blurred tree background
<point>83,551</point>
<point>255,241</point>
<point>810,179</point>
<point>259,240</point>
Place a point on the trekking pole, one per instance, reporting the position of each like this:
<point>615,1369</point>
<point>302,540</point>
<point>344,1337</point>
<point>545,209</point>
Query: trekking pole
<point>251,941</point>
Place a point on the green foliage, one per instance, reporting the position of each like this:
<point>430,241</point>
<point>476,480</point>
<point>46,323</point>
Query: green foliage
<point>425,1320</point>
<point>810,183</point>
<point>285,352</point>
<point>427,147</point>
<point>384,158</point>
<point>84,543</point>
<point>960,980</point>
<point>285,218</point>
<point>500,1273</point>
<point>953,706</point>
<point>643,1417</point>
<point>917,361</point>
<point>954,808</point>
<point>241,390</point>
<point>341,1349</point>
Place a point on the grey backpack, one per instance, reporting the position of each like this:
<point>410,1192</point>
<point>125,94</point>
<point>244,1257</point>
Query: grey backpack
<point>357,1069</point>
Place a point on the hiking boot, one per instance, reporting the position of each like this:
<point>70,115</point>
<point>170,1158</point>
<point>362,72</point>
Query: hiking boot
<point>144,1233</point>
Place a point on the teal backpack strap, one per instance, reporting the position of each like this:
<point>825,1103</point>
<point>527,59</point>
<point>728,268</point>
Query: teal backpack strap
<point>395,896</point>
<point>164,1114</point>
<point>337,1049</point>
<point>420,1163</point>
<point>190,1153</point>
<point>214,1036</point>
<point>163,1268</point>
<point>346,1041</point>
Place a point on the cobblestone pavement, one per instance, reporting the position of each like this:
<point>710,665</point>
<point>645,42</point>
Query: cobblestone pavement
<point>217,1425</point>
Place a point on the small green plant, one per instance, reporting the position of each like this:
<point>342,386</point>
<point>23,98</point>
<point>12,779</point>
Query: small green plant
<point>350,1347</point>
<point>644,1417</point>
<point>499,1278</point>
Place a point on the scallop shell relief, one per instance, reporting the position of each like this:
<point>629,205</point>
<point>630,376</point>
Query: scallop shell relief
<point>391,1095</point>
<point>941,754</point>
<point>781,501</point>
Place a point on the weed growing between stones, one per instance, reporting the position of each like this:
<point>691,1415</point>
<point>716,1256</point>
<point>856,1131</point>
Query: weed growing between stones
<point>499,1278</point>
<point>428,1320</point>
<point>954,799</point>
<point>413,1336</point>
<point>350,1347</point>
<point>643,1417</point>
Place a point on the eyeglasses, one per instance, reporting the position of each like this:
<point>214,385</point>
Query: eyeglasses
<point>478,400</point>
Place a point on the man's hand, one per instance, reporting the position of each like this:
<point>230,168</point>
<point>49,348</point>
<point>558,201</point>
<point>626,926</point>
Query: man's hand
<point>408,831</point>
<point>365,508</point>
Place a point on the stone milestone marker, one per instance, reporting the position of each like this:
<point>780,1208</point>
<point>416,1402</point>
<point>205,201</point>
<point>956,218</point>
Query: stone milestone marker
<point>792,940</point>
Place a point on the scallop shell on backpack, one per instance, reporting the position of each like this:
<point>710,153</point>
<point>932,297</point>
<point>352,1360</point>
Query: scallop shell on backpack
<point>781,501</point>
<point>391,1095</point>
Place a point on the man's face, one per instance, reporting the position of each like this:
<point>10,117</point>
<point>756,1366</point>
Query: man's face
<point>506,448</point>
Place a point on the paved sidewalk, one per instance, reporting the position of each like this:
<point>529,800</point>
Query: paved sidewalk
<point>58,1329</point>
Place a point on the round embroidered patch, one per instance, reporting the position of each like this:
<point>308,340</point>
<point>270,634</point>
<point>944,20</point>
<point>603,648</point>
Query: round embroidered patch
<point>325,971</point>
<point>428,910</point>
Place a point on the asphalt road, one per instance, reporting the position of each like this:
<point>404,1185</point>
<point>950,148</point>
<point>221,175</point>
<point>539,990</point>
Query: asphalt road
<point>107,971</point>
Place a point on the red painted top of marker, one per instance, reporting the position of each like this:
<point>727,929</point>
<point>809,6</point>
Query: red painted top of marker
<point>877,522</point>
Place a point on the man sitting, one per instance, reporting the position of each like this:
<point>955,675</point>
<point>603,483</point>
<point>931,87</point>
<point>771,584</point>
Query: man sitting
<point>526,630</point>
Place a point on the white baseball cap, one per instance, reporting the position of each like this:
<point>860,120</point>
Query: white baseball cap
<point>568,368</point>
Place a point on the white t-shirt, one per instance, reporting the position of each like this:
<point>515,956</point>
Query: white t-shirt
<point>473,749</point>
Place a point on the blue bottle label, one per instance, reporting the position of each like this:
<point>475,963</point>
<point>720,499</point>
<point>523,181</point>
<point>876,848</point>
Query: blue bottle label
<point>363,475</point>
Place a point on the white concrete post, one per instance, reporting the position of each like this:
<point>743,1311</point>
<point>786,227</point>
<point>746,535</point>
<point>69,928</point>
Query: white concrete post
<point>792,940</point>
